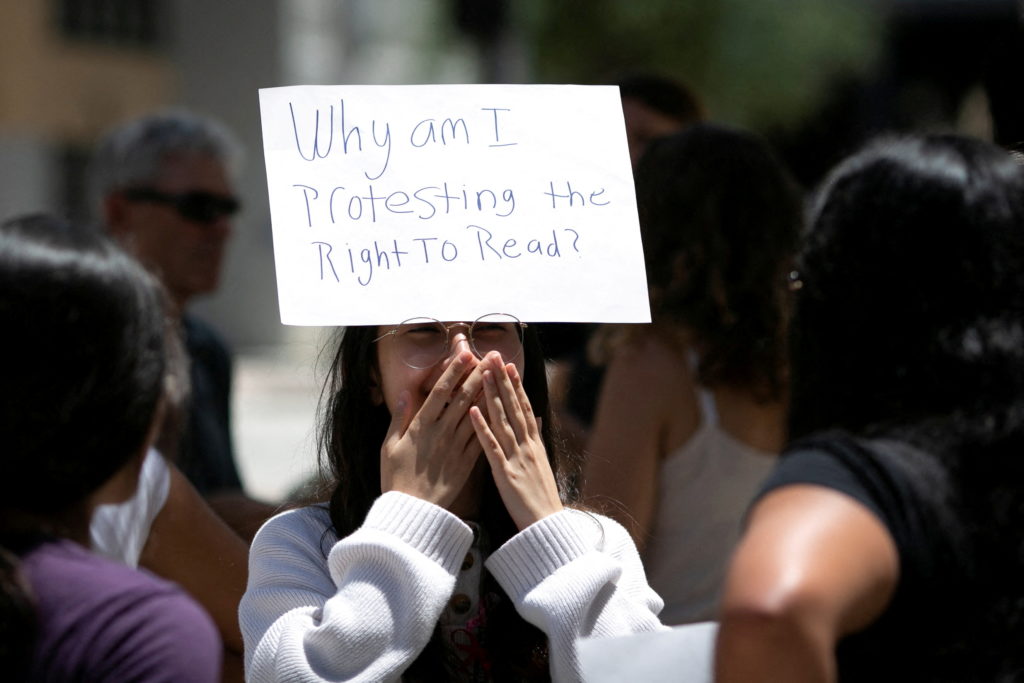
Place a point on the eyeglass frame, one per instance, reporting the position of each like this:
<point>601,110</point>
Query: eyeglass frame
<point>225,205</point>
<point>448,336</point>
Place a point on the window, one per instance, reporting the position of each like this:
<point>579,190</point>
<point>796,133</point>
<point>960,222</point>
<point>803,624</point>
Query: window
<point>129,23</point>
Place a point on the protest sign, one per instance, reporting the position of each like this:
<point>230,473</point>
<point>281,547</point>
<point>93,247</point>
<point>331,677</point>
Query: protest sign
<point>452,201</point>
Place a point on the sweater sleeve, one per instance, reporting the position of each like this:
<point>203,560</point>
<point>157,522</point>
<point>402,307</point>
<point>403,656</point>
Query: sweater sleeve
<point>576,575</point>
<point>366,611</point>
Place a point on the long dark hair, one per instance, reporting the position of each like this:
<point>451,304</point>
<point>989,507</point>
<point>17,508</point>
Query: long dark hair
<point>352,431</point>
<point>909,325</point>
<point>83,359</point>
<point>720,219</point>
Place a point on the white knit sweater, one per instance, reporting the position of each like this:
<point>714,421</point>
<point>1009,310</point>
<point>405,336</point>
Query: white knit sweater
<point>366,612</point>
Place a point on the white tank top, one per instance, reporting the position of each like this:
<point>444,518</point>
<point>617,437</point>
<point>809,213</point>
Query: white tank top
<point>704,488</point>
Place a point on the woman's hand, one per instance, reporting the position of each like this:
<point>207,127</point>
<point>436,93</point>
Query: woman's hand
<point>510,436</point>
<point>431,454</point>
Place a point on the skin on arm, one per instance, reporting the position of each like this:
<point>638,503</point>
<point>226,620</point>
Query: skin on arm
<point>647,408</point>
<point>190,545</point>
<point>244,515</point>
<point>814,565</point>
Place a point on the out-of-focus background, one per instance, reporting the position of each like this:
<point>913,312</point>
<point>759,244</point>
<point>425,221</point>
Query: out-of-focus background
<point>815,77</point>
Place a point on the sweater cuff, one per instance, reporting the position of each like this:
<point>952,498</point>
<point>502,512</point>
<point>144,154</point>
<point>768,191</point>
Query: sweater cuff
<point>428,528</point>
<point>536,552</point>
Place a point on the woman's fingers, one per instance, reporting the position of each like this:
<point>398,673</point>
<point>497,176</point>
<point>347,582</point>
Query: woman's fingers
<point>533,425</point>
<point>512,411</point>
<point>465,437</point>
<point>440,395</point>
<point>464,396</point>
<point>492,449</point>
<point>520,414</point>
<point>400,419</point>
<point>497,418</point>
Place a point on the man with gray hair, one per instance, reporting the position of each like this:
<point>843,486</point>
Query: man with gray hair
<point>162,186</point>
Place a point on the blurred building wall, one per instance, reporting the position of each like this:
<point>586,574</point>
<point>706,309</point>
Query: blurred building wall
<point>60,87</point>
<point>71,69</point>
<point>225,51</point>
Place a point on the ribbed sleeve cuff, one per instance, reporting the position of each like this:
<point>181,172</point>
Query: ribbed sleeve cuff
<point>536,552</point>
<point>429,528</point>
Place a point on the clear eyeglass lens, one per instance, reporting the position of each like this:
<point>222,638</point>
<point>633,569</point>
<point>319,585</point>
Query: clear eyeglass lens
<point>423,342</point>
<point>498,332</point>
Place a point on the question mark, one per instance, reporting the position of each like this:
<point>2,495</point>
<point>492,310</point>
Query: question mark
<point>575,239</point>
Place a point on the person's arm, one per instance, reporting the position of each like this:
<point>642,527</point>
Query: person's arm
<point>190,545</point>
<point>646,395</point>
<point>571,574</point>
<point>813,566</point>
<point>576,575</point>
<point>242,514</point>
<point>365,611</point>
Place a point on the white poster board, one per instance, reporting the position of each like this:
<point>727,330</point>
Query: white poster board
<point>684,653</point>
<point>452,201</point>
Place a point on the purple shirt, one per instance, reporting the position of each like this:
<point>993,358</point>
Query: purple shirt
<point>102,621</point>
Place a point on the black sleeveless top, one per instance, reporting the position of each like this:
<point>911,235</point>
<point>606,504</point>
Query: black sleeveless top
<point>934,629</point>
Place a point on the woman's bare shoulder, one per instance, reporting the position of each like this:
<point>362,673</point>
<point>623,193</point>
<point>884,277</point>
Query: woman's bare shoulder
<point>652,358</point>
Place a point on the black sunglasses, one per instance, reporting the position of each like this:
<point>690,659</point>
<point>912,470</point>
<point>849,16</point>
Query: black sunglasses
<point>198,206</point>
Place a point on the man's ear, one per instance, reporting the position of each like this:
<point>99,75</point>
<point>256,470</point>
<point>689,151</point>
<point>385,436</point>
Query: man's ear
<point>376,395</point>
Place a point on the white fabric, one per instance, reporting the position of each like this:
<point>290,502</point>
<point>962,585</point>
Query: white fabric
<point>704,488</point>
<point>362,608</point>
<point>684,653</point>
<point>119,532</point>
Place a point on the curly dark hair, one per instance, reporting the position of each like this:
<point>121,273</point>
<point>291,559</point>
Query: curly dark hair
<point>352,430</point>
<point>720,219</point>
<point>909,325</point>
<point>912,287</point>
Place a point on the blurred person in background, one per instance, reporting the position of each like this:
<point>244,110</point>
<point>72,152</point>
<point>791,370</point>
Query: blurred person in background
<point>162,186</point>
<point>85,360</point>
<point>653,106</point>
<point>691,411</point>
<point>888,543</point>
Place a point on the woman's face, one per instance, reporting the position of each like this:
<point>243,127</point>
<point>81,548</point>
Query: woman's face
<point>393,374</point>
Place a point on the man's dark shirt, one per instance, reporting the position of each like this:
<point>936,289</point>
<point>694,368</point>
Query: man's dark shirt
<point>206,454</point>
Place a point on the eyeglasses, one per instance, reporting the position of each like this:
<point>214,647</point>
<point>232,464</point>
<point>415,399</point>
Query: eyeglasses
<point>197,206</point>
<point>422,342</point>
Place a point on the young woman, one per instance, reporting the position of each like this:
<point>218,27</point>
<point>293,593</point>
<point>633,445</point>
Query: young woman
<point>431,562</point>
<point>83,358</point>
<point>691,414</point>
<point>888,544</point>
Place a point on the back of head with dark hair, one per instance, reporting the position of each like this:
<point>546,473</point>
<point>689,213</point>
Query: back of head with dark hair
<point>720,218</point>
<point>909,324</point>
<point>82,358</point>
<point>912,298</point>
